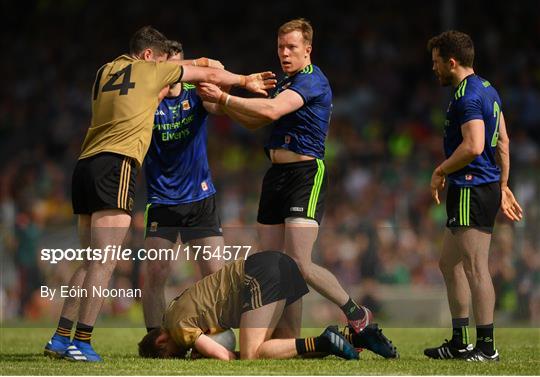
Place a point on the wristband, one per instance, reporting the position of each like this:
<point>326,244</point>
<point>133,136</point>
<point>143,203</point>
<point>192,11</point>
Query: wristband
<point>201,62</point>
<point>224,99</point>
<point>243,80</point>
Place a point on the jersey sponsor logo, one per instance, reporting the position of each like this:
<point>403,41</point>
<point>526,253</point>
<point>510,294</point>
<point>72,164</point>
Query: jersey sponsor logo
<point>160,112</point>
<point>185,105</point>
<point>296,209</point>
<point>469,177</point>
<point>204,186</point>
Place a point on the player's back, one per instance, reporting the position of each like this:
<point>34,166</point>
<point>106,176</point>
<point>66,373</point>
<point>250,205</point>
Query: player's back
<point>210,305</point>
<point>474,98</point>
<point>124,99</point>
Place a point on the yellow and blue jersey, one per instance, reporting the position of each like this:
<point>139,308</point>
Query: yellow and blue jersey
<point>304,131</point>
<point>474,98</point>
<point>176,165</point>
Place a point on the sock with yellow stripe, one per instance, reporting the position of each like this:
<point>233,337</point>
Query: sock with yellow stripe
<point>312,344</point>
<point>64,327</point>
<point>83,332</point>
<point>460,332</point>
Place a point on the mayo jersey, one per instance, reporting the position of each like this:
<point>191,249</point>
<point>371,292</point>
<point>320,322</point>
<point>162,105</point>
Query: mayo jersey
<point>124,100</point>
<point>474,98</point>
<point>176,165</point>
<point>304,131</point>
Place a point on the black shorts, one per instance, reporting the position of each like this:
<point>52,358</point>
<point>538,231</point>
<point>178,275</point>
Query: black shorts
<point>474,207</point>
<point>194,220</point>
<point>271,276</point>
<point>103,181</point>
<point>296,189</point>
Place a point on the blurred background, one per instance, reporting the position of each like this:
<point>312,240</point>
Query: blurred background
<point>381,233</point>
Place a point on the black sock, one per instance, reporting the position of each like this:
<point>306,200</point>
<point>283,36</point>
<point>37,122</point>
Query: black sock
<point>312,344</point>
<point>352,310</point>
<point>83,332</point>
<point>64,327</point>
<point>148,329</point>
<point>460,332</point>
<point>484,339</point>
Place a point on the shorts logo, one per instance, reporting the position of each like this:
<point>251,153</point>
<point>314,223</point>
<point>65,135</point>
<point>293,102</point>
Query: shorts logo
<point>204,186</point>
<point>452,220</point>
<point>287,139</point>
<point>469,177</point>
<point>296,209</point>
<point>153,226</point>
<point>185,105</point>
<point>130,204</point>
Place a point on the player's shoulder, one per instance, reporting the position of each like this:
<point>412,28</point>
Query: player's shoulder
<point>474,87</point>
<point>313,72</point>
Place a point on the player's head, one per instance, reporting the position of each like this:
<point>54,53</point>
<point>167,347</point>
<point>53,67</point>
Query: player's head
<point>450,51</point>
<point>294,45</point>
<point>175,52</point>
<point>148,44</point>
<point>158,344</point>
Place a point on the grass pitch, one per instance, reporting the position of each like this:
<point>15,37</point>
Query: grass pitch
<point>21,354</point>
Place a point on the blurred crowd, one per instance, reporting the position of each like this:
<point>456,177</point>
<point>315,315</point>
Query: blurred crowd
<point>381,226</point>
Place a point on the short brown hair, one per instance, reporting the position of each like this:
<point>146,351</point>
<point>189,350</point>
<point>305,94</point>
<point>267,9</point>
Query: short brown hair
<point>300,24</point>
<point>148,37</point>
<point>454,44</point>
<point>148,347</point>
<point>174,47</point>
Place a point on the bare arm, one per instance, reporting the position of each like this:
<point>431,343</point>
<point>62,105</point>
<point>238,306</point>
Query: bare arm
<point>509,205</point>
<point>471,147</point>
<point>208,347</point>
<point>256,82</point>
<point>253,112</point>
<point>503,152</point>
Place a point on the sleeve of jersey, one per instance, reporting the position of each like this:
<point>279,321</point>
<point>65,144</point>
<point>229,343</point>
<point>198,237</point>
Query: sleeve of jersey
<point>306,85</point>
<point>168,73</point>
<point>469,108</point>
<point>186,334</point>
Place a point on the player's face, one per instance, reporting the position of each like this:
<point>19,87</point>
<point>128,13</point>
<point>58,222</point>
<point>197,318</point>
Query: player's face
<point>441,68</point>
<point>293,52</point>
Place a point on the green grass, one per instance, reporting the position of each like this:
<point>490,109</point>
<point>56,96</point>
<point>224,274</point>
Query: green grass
<point>21,354</point>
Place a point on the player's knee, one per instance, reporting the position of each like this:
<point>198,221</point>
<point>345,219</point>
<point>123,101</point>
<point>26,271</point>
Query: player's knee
<point>249,353</point>
<point>157,273</point>
<point>305,267</point>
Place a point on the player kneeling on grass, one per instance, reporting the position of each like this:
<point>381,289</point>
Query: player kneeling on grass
<point>260,296</point>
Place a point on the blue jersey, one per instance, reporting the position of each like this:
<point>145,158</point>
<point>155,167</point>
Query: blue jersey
<point>474,98</point>
<point>304,131</point>
<point>176,165</point>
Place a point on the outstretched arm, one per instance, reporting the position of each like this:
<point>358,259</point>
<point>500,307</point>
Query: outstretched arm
<point>253,112</point>
<point>256,82</point>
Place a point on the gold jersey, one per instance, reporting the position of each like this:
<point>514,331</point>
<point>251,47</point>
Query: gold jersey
<point>210,306</point>
<point>124,101</point>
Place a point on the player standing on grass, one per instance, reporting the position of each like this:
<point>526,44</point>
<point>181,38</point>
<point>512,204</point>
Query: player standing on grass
<point>180,192</point>
<point>294,188</point>
<point>124,100</point>
<point>475,140</point>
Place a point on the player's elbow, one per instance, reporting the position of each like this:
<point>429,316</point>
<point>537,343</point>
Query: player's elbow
<point>271,114</point>
<point>475,149</point>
